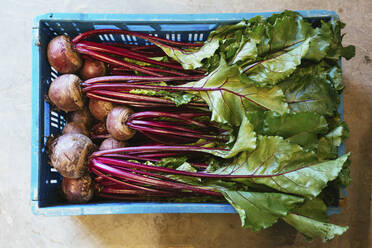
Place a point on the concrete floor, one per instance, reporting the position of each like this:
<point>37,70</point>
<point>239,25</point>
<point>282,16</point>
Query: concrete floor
<point>19,228</point>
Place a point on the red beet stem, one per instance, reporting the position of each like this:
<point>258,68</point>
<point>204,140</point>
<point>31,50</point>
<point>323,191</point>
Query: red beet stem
<point>131,186</point>
<point>168,139</point>
<point>120,73</point>
<point>150,181</point>
<point>152,39</point>
<point>196,89</point>
<point>120,69</point>
<point>111,190</point>
<point>126,156</point>
<point>106,79</point>
<point>131,103</point>
<point>105,183</point>
<point>99,47</point>
<point>156,148</point>
<point>131,46</point>
<point>147,50</point>
<point>161,131</point>
<point>112,60</point>
<point>116,191</point>
<point>201,174</point>
<point>130,97</point>
<point>156,69</point>
<point>123,163</point>
<point>158,114</point>
<point>146,173</point>
<point>151,157</point>
<point>160,155</point>
<point>154,87</point>
<point>103,51</point>
<point>139,99</point>
<point>109,86</point>
<point>163,124</point>
<point>153,54</point>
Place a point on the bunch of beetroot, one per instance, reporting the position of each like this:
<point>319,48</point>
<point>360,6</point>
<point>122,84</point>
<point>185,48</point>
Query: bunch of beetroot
<point>104,120</point>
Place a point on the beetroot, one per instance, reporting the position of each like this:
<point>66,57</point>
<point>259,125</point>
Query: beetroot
<point>92,68</point>
<point>111,143</point>
<point>83,117</point>
<point>116,123</point>
<point>65,92</point>
<point>99,131</point>
<point>78,190</point>
<point>75,127</point>
<point>69,154</point>
<point>100,109</point>
<point>62,56</point>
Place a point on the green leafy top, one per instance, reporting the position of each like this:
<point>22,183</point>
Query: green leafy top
<point>267,50</point>
<point>301,128</point>
<point>229,95</point>
<point>285,167</point>
<point>307,91</point>
<point>260,210</point>
<point>310,219</point>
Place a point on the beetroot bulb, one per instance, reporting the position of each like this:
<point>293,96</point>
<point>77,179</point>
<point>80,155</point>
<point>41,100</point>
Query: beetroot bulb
<point>116,123</point>
<point>65,92</point>
<point>92,68</point>
<point>62,55</point>
<point>83,117</point>
<point>75,127</point>
<point>100,109</point>
<point>79,190</point>
<point>111,143</point>
<point>69,154</point>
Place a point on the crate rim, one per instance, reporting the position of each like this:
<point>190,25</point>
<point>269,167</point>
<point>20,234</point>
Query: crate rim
<point>205,17</point>
<point>129,208</point>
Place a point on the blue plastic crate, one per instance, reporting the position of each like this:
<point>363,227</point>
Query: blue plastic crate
<point>45,199</point>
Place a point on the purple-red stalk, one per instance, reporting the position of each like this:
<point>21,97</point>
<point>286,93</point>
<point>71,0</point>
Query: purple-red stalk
<point>148,181</point>
<point>112,60</point>
<point>128,185</point>
<point>152,39</point>
<point>136,99</point>
<point>149,79</point>
<point>99,47</point>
